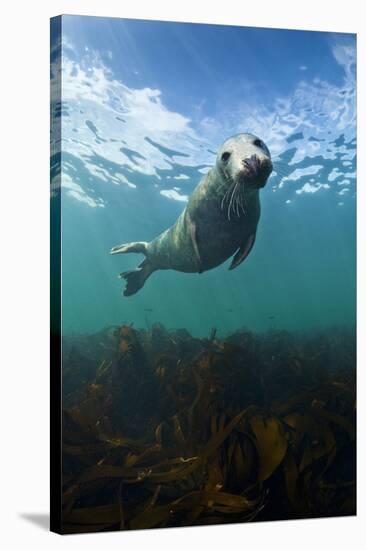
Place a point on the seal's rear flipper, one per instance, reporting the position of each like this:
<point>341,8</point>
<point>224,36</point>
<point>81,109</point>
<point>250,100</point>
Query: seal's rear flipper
<point>136,278</point>
<point>139,247</point>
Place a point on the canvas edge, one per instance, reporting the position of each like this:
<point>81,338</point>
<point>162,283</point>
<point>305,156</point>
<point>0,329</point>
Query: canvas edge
<point>55,295</point>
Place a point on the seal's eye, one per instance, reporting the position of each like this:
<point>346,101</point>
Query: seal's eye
<point>258,143</point>
<point>225,156</point>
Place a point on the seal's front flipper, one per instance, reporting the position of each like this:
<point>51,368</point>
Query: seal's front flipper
<point>135,279</point>
<point>139,247</point>
<point>243,251</point>
<point>193,233</point>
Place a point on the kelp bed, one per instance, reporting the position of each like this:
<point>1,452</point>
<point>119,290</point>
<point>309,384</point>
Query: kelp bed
<point>161,429</point>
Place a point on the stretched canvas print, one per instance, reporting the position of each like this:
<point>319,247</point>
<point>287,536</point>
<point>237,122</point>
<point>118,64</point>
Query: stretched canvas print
<point>203,274</point>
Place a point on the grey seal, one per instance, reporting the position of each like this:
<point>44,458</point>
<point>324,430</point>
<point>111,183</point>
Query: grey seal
<point>220,218</point>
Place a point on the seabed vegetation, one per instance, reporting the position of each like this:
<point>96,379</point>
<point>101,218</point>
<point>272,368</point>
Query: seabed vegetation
<point>161,429</point>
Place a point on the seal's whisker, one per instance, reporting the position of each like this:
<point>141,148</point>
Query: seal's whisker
<point>227,180</point>
<point>238,209</point>
<point>226,195</point>
<point>240,202</point>
<point>241,199</point>
<point>224,198</point>
<point>245,204</point>
<point>222,185</point>
<point>231,199</point>
<point>230,180</point>
<point>236,198</point>
<point>228,212</point>
<point>237,204</point>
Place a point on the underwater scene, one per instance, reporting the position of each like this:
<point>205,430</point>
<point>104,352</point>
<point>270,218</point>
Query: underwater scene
<point>204,181</point>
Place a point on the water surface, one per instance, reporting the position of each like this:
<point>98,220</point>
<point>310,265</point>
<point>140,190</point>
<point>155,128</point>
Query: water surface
<point>145,106</point>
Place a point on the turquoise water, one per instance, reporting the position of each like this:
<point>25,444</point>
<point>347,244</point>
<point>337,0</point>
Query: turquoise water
<point>145,107</point>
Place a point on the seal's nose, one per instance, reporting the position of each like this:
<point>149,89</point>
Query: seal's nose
<point>257,169</point>
<point>252,164</point>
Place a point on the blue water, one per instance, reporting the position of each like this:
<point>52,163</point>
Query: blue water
<point>145,105</point>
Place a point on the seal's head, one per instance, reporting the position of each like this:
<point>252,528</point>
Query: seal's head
<point>245,159</point>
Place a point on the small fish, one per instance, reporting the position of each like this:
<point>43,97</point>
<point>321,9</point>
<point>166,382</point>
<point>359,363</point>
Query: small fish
<point>148,309</point>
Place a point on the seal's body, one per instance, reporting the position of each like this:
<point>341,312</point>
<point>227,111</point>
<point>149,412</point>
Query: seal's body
<point>220,218</point>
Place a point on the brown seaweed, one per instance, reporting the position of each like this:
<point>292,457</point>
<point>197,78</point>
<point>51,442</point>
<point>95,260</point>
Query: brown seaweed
<point>172,430</point>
